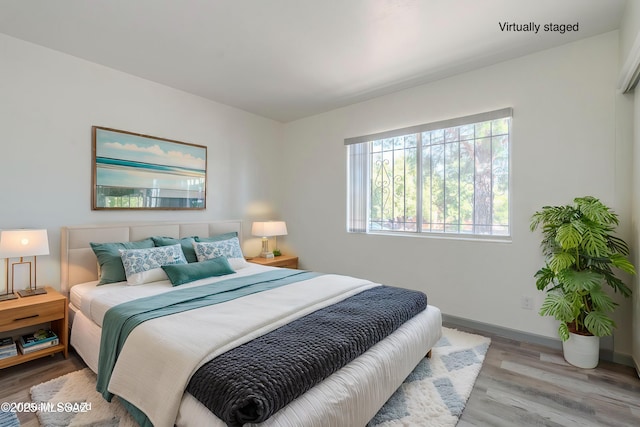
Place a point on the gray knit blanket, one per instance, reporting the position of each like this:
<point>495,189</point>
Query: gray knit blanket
<point>252,382</point>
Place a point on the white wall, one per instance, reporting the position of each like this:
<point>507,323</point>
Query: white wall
<point>635,240</point>
<point>629,32</point>
<point>566,143</point>
<point>629,28</point>
<point>48,103</point>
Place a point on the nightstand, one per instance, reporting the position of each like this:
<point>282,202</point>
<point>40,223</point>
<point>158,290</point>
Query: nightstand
<point>284,261</point>
<point>31,311</point>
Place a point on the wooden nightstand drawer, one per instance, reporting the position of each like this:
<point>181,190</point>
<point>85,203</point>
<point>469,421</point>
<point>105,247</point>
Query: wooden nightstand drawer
<point>283,261</point>
<point>19,317</point>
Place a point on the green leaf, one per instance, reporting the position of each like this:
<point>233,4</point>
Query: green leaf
<point>561,261</point>
<point>578,281</point>
<point>576,302</point>
<point>551,216</point>
<point>568,236</point>
<point>536,219</point>
<point>545,277</point>
<point>594,241</point>
<point>601,301</point>
<point>563,331</point>
<point>621,262</point>
<point>599,324</point>
<point>618,285</point>
<point>557,306</point>
<point>595,210</point>
<point>617,245</point>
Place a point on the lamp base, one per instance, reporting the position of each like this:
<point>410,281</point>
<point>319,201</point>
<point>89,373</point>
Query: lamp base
<point>7,297</point>
<point>31,292</point>
<point>265,253</point>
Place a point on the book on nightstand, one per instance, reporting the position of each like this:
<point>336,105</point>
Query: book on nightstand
<point>38,340</point>
<point>6,343</point>
<point>7,348</point>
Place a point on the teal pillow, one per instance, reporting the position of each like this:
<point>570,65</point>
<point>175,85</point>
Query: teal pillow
<point>217,238</point>
<point>108,254</point>
<point>180,274</point>
<point>186,243</point>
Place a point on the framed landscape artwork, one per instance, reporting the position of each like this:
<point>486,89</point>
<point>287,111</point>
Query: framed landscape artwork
<point>135,171</point>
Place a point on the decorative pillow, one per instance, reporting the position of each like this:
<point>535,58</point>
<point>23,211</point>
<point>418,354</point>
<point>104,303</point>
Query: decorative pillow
<point>229,248</point>
<point>185,242</point>
<point>145,265</point>
<point>111,269</point>
<point>180,274</point>
<point>218,237</point>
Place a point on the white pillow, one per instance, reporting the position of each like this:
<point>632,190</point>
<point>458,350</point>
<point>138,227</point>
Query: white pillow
<point>230,249</point>
<point>145,265</point>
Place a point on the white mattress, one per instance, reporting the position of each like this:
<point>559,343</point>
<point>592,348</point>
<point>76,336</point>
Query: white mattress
<point>351,396</point>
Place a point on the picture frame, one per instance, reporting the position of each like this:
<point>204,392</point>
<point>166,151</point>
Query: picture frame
<point>133,171</point>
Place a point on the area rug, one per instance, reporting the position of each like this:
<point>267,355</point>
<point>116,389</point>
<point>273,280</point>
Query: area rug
<point>9,419</point>
<point>434,394</point>
<point>74,401</point>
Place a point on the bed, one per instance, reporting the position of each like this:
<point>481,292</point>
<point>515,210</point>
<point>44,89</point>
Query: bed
<point>190,340</point>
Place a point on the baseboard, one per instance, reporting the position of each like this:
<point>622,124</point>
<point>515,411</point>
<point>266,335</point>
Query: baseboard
<point>606,343</point>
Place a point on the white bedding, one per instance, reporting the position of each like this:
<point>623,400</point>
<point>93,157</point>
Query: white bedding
<point>155,384</point>
<point>94,300</point>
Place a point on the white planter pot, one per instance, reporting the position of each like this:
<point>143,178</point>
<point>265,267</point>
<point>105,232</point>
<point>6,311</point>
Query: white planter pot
<point>582,351</point>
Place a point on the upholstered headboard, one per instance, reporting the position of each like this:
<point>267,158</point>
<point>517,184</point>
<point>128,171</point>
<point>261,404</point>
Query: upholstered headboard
<point>79,263</point>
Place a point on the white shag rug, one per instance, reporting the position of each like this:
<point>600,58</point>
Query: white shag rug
<point>73,401</point>
<point>434,394</point>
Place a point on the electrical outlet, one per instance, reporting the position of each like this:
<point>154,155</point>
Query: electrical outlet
<point>526,302</point>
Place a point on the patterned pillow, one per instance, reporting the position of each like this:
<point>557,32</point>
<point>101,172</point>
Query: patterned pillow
<point>230,249</point>
<point>145,265</point>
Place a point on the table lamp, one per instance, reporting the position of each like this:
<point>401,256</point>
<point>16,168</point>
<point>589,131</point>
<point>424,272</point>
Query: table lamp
<point>20,244</point>
<point>268,229</point>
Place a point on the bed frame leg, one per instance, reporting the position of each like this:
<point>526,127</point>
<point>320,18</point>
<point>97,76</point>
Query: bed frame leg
<point>429,354</point>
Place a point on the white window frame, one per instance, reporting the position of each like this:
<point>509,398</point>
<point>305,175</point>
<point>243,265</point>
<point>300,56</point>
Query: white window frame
<point>359,182</point>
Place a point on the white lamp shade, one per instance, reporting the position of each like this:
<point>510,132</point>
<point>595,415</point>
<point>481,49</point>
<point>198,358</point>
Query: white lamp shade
<point>21,243</point>
<point>269,229</point>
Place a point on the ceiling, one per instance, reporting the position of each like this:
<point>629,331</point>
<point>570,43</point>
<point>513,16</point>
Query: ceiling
<point>288,59</point>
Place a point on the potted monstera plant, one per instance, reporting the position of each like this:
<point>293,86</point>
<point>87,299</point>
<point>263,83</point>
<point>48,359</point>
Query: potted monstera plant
<point>582,258</point>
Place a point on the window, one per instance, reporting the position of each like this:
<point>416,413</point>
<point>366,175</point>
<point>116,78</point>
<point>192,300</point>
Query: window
<point>449,177</point>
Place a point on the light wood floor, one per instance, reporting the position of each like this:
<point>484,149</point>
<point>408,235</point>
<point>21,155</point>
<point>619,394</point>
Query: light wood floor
<point>16,381</point>
<point>519,385</point>
<point>523,384</point>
